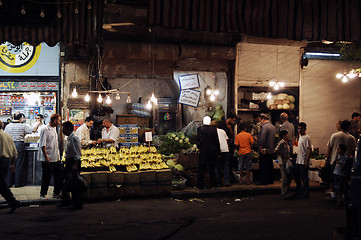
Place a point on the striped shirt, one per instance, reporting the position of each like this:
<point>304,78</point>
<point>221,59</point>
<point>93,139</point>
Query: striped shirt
<point>8,149</point>
<point>18,130</point>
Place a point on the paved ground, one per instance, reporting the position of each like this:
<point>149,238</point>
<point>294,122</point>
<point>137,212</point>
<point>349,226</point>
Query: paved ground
<point>238,217</point>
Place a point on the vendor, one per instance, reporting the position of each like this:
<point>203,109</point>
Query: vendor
<point>83,133</point>
<point>110,133</point>
<point>18,129</point>
<point>39,122</point>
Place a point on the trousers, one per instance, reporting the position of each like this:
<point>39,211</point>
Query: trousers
<point>223,165</point>
<point>4,188</point>
<point>49,170</point>
<point>76,196</point>
<point>20,177</point>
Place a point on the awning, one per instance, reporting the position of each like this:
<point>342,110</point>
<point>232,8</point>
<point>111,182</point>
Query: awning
<point>34,21</point>
<point>333,20</point>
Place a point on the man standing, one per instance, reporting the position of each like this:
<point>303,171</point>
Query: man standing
<point>110,133</point>
<point>286,125</point>
<point>83,133</point>
<point>354,129</point>
<point>340,137</point>
<point>244,140</point>
<point>302,161</point>
<point>266,144</point>
<point>50,157</point>
<point>39,120</point>
<point>207,137</point>
<point>223,162</point>
<point>17,130</point>
<point>228,125</point>
<point>7,153</point>
<point>255,127</point>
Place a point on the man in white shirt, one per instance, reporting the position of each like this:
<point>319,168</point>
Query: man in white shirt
<point>223,164</point>
<point>83,133</point>
<point>110,133</point>
<point>49,155</point>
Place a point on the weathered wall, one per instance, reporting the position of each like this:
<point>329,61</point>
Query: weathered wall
<point>325,99</point>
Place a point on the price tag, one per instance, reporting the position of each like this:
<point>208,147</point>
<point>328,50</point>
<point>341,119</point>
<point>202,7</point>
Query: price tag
<point>148,136</point>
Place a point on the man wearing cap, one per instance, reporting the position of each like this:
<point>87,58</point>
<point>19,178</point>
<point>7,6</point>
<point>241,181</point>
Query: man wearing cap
<point>266,141</point>
<point>207,137</point>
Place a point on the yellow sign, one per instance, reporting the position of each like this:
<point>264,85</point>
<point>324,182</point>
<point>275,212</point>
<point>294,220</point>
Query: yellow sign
<point>17,59</point>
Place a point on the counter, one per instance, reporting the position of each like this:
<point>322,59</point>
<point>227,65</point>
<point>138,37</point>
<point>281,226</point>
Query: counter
<point>34,167</point>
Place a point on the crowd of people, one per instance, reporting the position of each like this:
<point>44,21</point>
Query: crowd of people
<point>217,143</point>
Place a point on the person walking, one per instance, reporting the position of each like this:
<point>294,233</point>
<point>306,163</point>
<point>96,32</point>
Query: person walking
<point>223,164</point>
<point>8,155</point>
<point>207,137</point>
<point>83,133</point>
<point>49,155</point>
<point>243,142</point>
<point>72,164</point>
<point>17,130</point>
<point>302,162</point>
<point>266,143</point>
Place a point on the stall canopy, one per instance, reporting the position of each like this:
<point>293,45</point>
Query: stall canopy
<point>333,20</point>
<point>77,22</point>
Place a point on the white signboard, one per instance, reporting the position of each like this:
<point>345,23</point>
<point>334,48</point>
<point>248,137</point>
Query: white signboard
<point>189,97</point>
<point>148,136</point>
<point>188,81</point>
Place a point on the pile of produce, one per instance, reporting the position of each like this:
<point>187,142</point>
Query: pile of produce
<point>281,101</point>
<point>173,143</point>
<point>217,113</point>
<point>132,159</point>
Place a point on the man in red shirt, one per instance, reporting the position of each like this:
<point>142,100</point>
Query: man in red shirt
<point>243,143</point>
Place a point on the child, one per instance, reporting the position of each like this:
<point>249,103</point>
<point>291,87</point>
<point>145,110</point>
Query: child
<point>283,153</point>
<point>72,163</point>
<point>339,173</point>
<point>243,143</point>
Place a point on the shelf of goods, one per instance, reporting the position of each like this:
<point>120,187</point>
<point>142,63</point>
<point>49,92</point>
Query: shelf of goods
<point>129,172</point>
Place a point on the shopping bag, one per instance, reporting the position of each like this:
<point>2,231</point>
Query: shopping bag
<point>289,166</point>
<point>324,173</point>
<point>74,181</point>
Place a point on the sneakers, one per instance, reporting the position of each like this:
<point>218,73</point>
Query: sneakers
<point>13,207</point>
<point>43,198</point>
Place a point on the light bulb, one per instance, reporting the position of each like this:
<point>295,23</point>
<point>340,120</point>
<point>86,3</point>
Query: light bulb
<point>153,98</point>
<point>23,11</point>
<point>344,79</point>
<point>276,87</point>
<point>149,105</point>
<point>117,97</point>
<point>87,97</point>
<point>129,100</point>
<point>100,99</point>
<point>209,91</point>
<point>351,75</point>
<point>339,75</point>
<point>76,11</point>
<point>216,92</point>
<point>272,83</point>
<point>74,93</point>
<point>269,96</point>
<point>281,84</point>
<point>212,97</point>
<point>108,100</point>
<point>42,14</point>
<point>59,15</point>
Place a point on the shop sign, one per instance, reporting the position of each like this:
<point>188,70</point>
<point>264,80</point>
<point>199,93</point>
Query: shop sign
<point>28,86</point>
<point>189,97</point>
<point>188,81</point>
<point>27,60</point>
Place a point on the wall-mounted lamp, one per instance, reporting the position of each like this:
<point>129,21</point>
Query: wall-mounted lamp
<point>346,76</point>
<point>212,94</point>
<point>276,85</point>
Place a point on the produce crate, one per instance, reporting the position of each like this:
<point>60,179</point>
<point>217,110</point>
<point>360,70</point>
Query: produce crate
<point>87,178</point>
<point>115,184</point>
<point>148,183</point>
<point>164,182</point>
<point>98,186</point>
<point>189,161</point>
<point>131,184</point>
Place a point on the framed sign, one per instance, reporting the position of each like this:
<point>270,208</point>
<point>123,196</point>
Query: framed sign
<point>188,81</point>
<point>189,97</point>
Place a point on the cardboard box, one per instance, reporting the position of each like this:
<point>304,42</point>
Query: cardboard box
<point>131,184</point>
<point>128,128</point>
<point>87,177</point>
<point>128,138</point>
<point>116,184</point>
<point>148,183</point>
<point>164,182</point>
<point>98,185</point>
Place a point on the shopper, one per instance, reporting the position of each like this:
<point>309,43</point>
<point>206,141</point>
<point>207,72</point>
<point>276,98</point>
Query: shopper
<point>209,152</point>
<point>223,165</point>
<point>302,162</point>
<point>50,157</point>
<point>8,155</point>
<point>243,142</point>
<point>339,173</point>
<point>72,165</point>
<point>266,143</point>
<point>286,125</point>
<point>83,133</point>
<point>228,126</point>
<point>255,127</point>
<point>340,137</point>
<point>283,155</point>
<point>354,128</point>
<point>17,130</point>
<point>110,133</point>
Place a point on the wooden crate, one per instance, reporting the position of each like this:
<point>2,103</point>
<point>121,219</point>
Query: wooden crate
<point>131,184</point>
<point>87,177</point>
<point>115,184</point>
<point>148,183</point>
<point>98,186</point>
<point>164,182</point>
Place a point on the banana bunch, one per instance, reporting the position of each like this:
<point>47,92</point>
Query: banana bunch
<point>112,168</point>
<point>132,168</point>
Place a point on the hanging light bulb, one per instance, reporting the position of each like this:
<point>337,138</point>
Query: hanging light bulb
<point>42,14</point>
<point>216,92</point>
<point>276,87</point>
<point>87,97</point>
<point>74,94</point>
<point>212,97</point>
<point>209,91</point>
<point>339,75</point>
<point>344,79</point>
<point>108,100</point>
<point>352,74</point>
<point>76,11</point>
<point>149,104</point>
<point>153,98</point>
<point>59,15</point>
<point>269,95</point>
<point>272,83</point>
<point>100,99</point>
<point>281,84</point>
<point>23,11</point>
<point>129,100</point>
<point>117,97</point>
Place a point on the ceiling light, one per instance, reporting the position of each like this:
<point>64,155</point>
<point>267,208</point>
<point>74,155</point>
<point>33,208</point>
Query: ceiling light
<point>153,99</point>
<point>272,83</point>
<point>149,105</point>
<point>74,94</point>
<point>216,92</point>
<point>209,91</point>
<point>42,14</point>
<point>87,97</point>
<point>339,75</point>
<point>352,74</point>
<point>129,100</point>
<point>212,97</point>
<point>100,99</point>
<point>344,79</point>
<point>108,100</point>
<point>117,97</point>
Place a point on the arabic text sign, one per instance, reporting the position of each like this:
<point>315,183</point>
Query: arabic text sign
<point>188,81</point>
<point>29,86</point>
<point>189,97</point>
